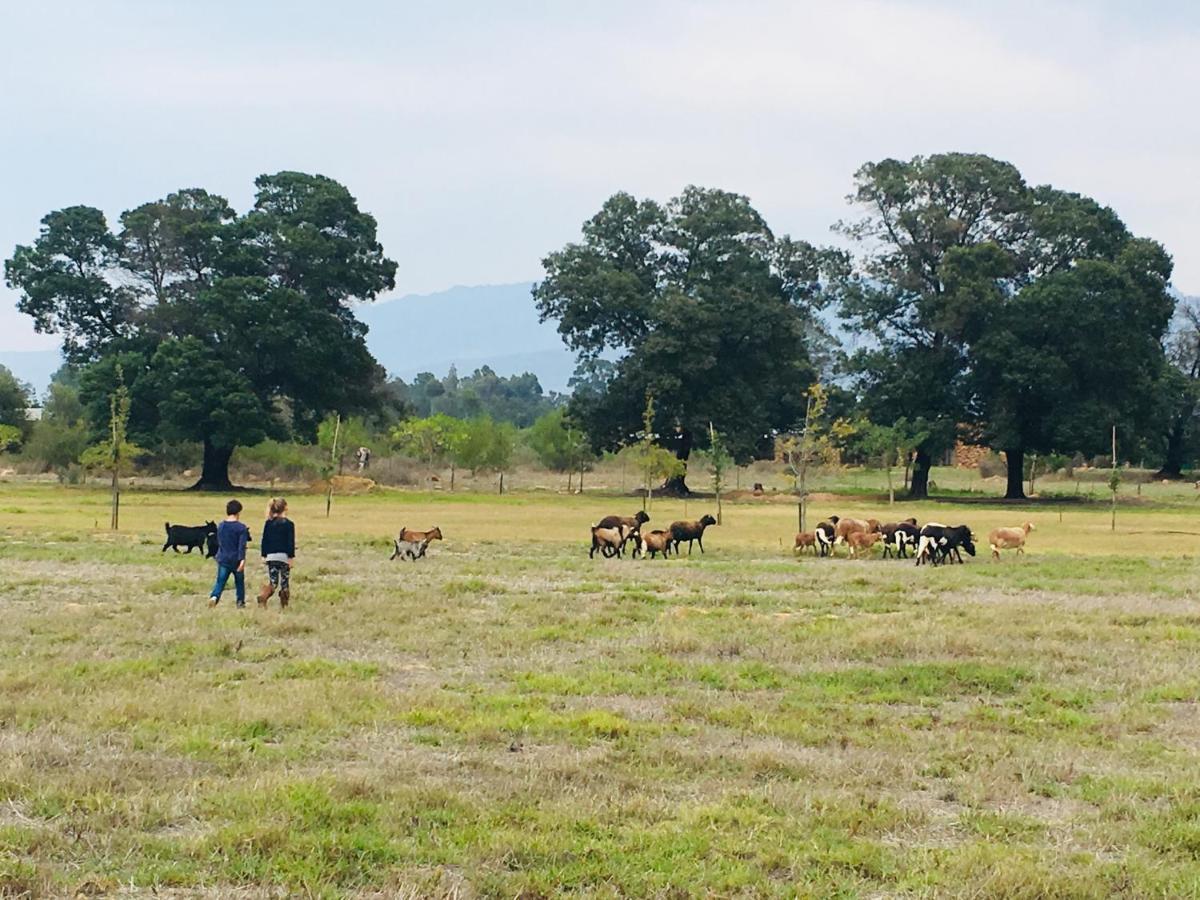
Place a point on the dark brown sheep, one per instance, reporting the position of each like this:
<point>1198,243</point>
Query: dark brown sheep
<point>690,531</point>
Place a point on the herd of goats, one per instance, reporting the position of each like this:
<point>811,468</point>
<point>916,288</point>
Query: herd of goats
<point>932,543</point>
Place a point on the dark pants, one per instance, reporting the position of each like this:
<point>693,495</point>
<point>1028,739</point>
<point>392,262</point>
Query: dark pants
<point>239,582</point>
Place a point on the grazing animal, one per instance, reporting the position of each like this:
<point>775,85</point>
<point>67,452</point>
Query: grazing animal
<point>412,545</point>
<point>1009,539</point>
<point>634,522</point>
<point>656,542</point>
<point>847,527</point>
<point>942,543</point>
<point>188,536</point>
<point>826,534</point>
<point>899,536</point>
<point>690,531</point>
<point>611,541</point>
<point>805,540</point>
<point>861,542</point>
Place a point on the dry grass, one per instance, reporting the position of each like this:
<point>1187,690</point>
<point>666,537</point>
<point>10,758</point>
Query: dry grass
<point>510,718</point>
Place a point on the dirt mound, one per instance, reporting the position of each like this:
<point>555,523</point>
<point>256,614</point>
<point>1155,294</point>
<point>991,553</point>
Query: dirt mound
<point>344,484</point>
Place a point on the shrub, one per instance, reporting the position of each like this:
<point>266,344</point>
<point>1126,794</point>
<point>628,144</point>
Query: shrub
<point>992,465</point>
<point>277,460</point>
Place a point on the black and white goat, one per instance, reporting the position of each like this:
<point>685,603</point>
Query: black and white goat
<point>941,543</point>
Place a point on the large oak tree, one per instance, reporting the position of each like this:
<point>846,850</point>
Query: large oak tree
<point>969,281</point>
<point>227,328</point>
<point>703,307</point>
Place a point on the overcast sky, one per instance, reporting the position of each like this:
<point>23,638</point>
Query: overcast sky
<point>481,134</point>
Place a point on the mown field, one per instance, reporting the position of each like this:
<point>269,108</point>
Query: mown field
<point>509,718</point>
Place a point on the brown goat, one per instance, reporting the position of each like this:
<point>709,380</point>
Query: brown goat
<point>656,542</point>
<point>862,541</point>
<point>1009,539</point>
<point>804,541</point>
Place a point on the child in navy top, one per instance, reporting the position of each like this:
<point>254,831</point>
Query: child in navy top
<point>232,537</point>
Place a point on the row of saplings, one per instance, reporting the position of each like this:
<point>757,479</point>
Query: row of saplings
<point>612,533</point>
<point>932,543</point>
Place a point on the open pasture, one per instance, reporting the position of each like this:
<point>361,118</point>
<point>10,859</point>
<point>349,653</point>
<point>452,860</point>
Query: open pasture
<point>509,718</point>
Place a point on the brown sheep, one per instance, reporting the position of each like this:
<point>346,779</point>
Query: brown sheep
<point>634,522</point>
<point>1009,539</point>
<point>690,531</point>
<point>609,541</point>
<point>656,542</point>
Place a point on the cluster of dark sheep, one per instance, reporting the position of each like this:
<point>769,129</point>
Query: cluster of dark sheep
<point>612,533</point>
<point>933,543</point>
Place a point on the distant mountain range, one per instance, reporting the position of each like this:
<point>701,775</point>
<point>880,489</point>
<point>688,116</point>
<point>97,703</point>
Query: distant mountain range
<point>468,327</point>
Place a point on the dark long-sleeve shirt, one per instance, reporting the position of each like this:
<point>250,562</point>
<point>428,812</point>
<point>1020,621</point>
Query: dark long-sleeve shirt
<point>279,536</point>
<point>231,542</point>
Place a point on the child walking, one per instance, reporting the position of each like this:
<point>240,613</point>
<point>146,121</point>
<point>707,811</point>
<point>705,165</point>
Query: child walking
<point>232,537</point>
<point>279,552</point>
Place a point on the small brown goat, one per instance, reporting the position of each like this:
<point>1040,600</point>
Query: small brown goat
<point>690,531</point>
<point>861,542</point>
<point>1009,539</point>
<point>413,544</point>
<point>805,540</point>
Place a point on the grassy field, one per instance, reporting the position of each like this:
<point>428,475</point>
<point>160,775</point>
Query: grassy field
<point>509,718</point>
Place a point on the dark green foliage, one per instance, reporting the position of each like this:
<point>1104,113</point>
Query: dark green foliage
<point>709,310</point>
<point>1030,313</point>
<point>517,399</point>
<point>15,399</point>
<point>229,329</point>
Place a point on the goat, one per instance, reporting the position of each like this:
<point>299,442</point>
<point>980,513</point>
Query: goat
<point>610,541</point>
<point>656,542</point>
<point>942,543</point>
<point>862,541</point>
<point>826,534</point>
<point>898,537</point>
<point>1009,539</point>
<point>805,540</point>
<point>690,531</point>
<point>413,544</point>
<point>190,536</point>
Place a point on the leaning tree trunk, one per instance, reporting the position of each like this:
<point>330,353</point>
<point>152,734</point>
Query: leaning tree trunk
<point>1015,460</point>
<point>918,485</point>
<point>1172,466</point>
<point>676,485</point>
<point>214,476</point>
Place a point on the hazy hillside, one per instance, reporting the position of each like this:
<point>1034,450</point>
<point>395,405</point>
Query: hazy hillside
<point>468,327</point>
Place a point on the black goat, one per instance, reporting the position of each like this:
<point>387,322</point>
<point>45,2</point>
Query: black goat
<point>899,536</point>
<point>942,543</point>
<point>188,536</point>
<point>826,534</point>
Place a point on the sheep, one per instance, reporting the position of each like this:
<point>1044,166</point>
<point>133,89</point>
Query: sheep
<point>862,541</point>
<point>941,543</point>
<point>805,540</point>
<point>826,534</point>
<point>610,541</point>
<point>847,527</point>
<point>898,537</point>
<point>1009,539</point>
<point>690,531</point>
<point>635,522</point>
<point>656,542</point>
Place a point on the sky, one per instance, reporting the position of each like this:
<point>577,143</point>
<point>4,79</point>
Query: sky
<point>482,134</point>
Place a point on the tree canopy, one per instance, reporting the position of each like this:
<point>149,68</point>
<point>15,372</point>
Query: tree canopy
<point>228,328</point>
<point>707,310</point>
<point>973,285</point>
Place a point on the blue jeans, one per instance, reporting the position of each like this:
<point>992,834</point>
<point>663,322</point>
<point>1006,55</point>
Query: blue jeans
<point>239,582</point>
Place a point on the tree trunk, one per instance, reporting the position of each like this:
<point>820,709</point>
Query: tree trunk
<point>214,476</point>
<point>918,485</point>
<point>1172,466</point>
<point>676,485</point>
<point>1015,460</point>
